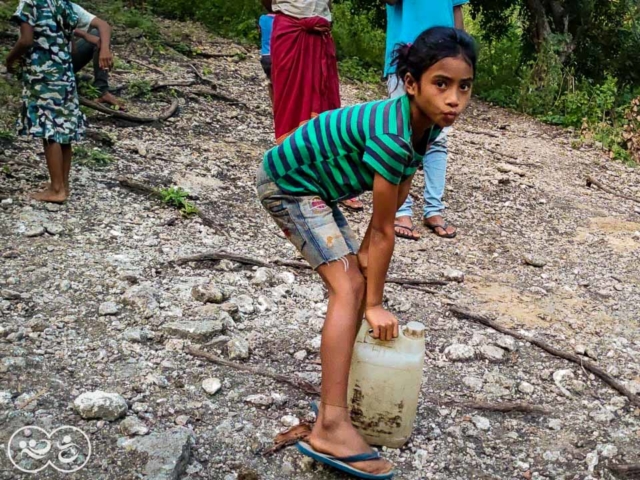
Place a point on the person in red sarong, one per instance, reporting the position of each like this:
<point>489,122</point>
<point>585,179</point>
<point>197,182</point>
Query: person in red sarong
<point>304,66</point>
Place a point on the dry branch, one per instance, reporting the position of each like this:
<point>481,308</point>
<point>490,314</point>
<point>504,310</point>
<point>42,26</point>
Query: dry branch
<point>148,67</point>
<point>301,384</point>
<point>127,116</point>
<point>584,363</point>
<point>626,469</point>
<point>15,161</point>
<point>203,79</point>
<point>424,289</point>
<point>216,256</point>
<point>292,264</point>
<point>481,132</point>
<point>592,181</point>
<point>504,407</point>
<point>415,281</point>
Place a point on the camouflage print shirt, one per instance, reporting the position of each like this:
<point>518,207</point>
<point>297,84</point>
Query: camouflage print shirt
<point>50,108</point>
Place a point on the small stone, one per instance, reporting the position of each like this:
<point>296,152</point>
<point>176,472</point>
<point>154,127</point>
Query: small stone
<point>232,310</point>
<point>132,426</point>
<point>7,294</point>
<point>507,342</point>
<point>551,456</point>
<point>300,355</point>
<point>453,275</point>
<point>313,378</point>
<point>143,297</point>
<point>289,421</point>
<point>259,400</point>
<point>263,276</point>
<point>182,420</point>
<point>285,277</point>
<point>194,330</point>
<point>602,415</point>
<point>53,228</point>
<point>52,207</point>
<point>35,232</point>
<point>314,344</point>
<point>208,294</point>
<point>526,388</point>
<point>108,308</point>
<point>492,353</point>
<point>244,303</point>
<point>138,335</point>
<point>633,387</point>
<point>591,353</point>
<point>238,348</point>
<point>481,423</point>
<point>157,380</point>
<point>534,260</point>
<point>5,398</point>
<point>140,407</point>
<point>478,339</point>
<point>420,458</point>
<point>592,461</point>
<point>474,383</point>
<point>580,349</point>
<point>555,424</point>
<point>101,405</point>
<point>608,450</point>
<point>211,385</point>
<point>459,352</point>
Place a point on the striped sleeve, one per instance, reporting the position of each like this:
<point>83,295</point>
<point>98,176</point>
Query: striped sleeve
<point>388,155</point>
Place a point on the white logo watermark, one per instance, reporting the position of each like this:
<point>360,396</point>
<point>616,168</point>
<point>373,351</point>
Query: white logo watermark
<point>32,449</point>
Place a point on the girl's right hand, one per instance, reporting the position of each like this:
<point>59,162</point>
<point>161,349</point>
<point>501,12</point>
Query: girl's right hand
<point>383,323</point>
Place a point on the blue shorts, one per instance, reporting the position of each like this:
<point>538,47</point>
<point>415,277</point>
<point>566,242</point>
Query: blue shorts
<point>318,230</point>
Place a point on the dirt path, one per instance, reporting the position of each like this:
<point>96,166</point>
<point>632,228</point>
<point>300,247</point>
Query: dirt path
<point>60,336</point>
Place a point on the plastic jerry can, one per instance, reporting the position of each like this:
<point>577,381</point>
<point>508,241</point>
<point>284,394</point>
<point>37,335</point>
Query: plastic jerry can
<point>384,384</point>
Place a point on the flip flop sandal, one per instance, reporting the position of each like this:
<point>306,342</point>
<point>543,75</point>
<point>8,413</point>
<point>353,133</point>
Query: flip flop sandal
<point>351,208</point>
<point>404,235</point>
<point>341,463</point>
<point>444,227</point>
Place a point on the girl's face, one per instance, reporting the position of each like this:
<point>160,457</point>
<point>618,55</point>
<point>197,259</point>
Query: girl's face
<point>444,90</point>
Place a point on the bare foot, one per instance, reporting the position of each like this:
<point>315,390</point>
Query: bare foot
<point>47,186</point>
<point>353,204</point>
<point>112,100</point>
<point>441,228</point>
<point>341,439</point>
<point>50,196</point>
<point>404,228</point>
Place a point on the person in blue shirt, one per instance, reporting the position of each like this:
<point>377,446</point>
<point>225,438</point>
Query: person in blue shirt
<point>265,25</point>
<point>406,20</point>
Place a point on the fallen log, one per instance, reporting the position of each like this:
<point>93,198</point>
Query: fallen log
<point>592,181</point>
<point>216,256</point>
<point>582,362</point>
<point>127,116</point>
<point>626,469</point>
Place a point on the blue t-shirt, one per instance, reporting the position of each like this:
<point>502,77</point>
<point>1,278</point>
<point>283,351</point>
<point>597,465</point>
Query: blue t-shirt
<point>407,19</point>
<point>266,26</point>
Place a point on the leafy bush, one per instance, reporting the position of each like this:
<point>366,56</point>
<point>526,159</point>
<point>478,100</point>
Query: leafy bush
<point>177,197</point>
<point>92,157</point>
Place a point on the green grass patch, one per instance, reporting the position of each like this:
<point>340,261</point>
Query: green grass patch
<point>177,197</point>
<point>92,157</point>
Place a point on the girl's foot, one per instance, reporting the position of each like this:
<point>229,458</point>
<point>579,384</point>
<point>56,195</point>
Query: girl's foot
<point>50,195</point>
<point>67,190</point>
<point>353,204</point>
<point>339,438</point>
<point>441,228</point>
<point>110,99</point>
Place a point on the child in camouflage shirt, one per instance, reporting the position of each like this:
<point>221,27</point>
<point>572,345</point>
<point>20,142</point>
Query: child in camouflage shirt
<point>50,108</point>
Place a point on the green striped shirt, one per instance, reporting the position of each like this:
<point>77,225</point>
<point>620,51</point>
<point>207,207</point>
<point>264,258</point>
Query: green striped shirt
<point>337,154</point>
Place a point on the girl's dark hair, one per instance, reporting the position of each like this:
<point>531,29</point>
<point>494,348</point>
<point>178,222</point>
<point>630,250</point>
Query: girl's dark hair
<point>430,47</point>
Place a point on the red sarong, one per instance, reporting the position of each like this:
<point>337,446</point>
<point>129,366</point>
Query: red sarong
<point>304,72</point>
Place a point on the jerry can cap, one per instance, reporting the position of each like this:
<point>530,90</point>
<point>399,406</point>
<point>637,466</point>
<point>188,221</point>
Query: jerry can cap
<point>414,330</point>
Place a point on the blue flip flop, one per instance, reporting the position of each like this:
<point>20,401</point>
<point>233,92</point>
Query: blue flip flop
<point>341,463</point>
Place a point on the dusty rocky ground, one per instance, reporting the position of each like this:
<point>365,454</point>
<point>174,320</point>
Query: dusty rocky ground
<point>89,301</point>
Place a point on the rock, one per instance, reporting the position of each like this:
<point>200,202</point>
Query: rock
<point>182,420</point>
<point>140,407</point>
<point>289,421</point>
<point>244,303</point>
<point>201,330</point>
<point>478,339</point>
<point>132,426</point>
<point>558,378</point>
<point>285,277</point>
<point>53,228</point>
<point>592,461</point>
<point>157,380</point>
<point>142,297</point>
<point>238,349</point>
<point>208,293</point>
<point>608,450</point>
<point>526,388</point>
<point>101,405</point>
<point>263,276</point>
<point>459,352</point>
<point>167,453</point>
<point>555,424</point>
<point>420,458</point>
<point>211,385</point>
<point>314,344</point>
<point>7,294</point>
<point>551,456</point>
<point>481,423</point>
<point>453,275</point>
<point>108,308</point>
<point>5,398</point>
<point>633,387</point>
<point>534,260</point>
<point>15,336</point>
<point>474,383</point>
<point>259,400</point>
<point>138,335</point>
<point>35,232</point>
<point>507,342</point>
<point>232,310</point>
<point>313,378</point>
<point>492,353</point>
<point>17,363</point>
<point>265,304</point>
<point>602,415</point>
<point>580,349</point>
<point>300,355</point>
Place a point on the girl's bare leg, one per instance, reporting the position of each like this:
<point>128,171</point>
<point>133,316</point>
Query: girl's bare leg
<point>333,432</point>
<point>67,153</point>
<point>55,191</point>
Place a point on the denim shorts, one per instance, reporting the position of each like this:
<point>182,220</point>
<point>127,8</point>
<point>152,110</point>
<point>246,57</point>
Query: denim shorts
<point>318,230</point>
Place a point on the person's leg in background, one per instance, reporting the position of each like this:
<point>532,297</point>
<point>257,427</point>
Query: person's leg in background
<point>83,53</point>
<point>435,173</point>
<point>404,224</point>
